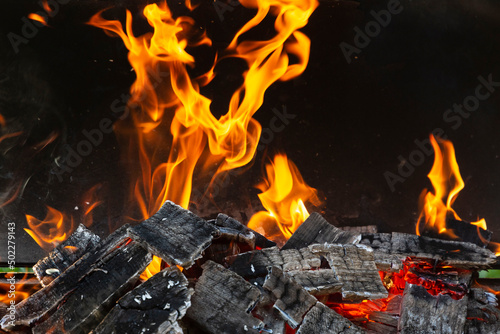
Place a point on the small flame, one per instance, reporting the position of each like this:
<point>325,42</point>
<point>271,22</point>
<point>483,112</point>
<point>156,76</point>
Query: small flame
<point>39,18</point>
<point>51,231</point>
<point>447,183</point>
<point>90,202</point>
<point>19,290</point>
<point>284,193</point>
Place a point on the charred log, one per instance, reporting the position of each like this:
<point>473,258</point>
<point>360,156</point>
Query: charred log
<point>423,313</point>
<point>38,304</point>
<point>222,302</point>
<point>153,307</point>
<point>355,269</point>
<point>316,230</point>
<point>323,320</point>
<point>234,230</point>
<point>255,263</point>
<point>465,232</point>
<point>81,241</point>
<point>292,300</point>
<point>175,234</point>
<point>390,250</point>
<point>97,292</point>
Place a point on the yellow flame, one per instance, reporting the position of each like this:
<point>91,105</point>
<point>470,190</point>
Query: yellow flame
<point>447,183</point>
<point>51,231</point>
<point>283,195</point>
<point>171,129</point>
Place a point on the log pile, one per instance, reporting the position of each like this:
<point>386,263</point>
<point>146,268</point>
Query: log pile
<point>222,277</point>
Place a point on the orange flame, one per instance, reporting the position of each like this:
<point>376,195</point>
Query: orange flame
<point>447,183</point>
<point>20,289</point>
<point>167,107</point>
<point>39,18</point>
<point>51,231</point>
<point>284,193</point>
<point>90,202</point>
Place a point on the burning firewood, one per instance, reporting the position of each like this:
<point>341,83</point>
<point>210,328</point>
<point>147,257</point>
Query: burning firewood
<point>152,307</point>
<point>234,230</point>
<point>316,230</point>
<point>355,269</point>
<point>222,302</point>
<point>322,320</point>
<point>483,315</point>
<point>44,300</point>
<point>424,313</point>
<point>255,263</point>
<point>175,234</point>
<point>317,282</point>
<point>390,250</point>
<point>97,292</point>
<point>81,241</point>
<point>299,308</point>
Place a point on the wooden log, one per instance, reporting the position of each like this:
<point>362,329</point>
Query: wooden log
<point>222,302</point>
<point>38,304</point>
<point>255,263</point>
<point>465,232</point>
<point>96,293</point>
<point>317,282</point>
<point>235,230</point>
<point>153,307</point>
<point>355,269</point>
<point>175,234</point>
<point>385,318</point>
<point>483,315</point>
<point>81,241</point>
<point>292,300</point>
<point>377,327</point>
<point>323,320</point>
<point>423,313</point>
<point>391,249</point>
<point>316,230</point>
<point>360,229</point>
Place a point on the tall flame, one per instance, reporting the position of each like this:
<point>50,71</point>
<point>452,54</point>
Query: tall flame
<point>447,183</point>
<point>284,193</point>
<point>172,130</point>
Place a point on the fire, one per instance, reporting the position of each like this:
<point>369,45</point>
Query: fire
<point>51,231</point>
<point>284,193</point>
<point>171,129</point>
<point>90,202</point>
<point>39,18</point>
<point>447,183</point>
<point>15,290</point>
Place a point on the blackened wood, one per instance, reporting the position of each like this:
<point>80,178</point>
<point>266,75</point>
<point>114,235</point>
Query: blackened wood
<point>152,307</point>
<point>292,300</point>
<point>360,229</point>
<point>323,320</point>
<point>38,304</point>
<point>317,282</point>
<point>175,234</point>
<point>222,302</point>
<point>385,318</point>
<point>483,315</point>
<point>355,268</point>
<point>270,316</point>
<point>239,232</point>
<point>423,313</point>
<point>377,327</point>
<point>391,247</point>
<point>255,263</point>
<point>465,231</point>
<point>97,292</point>
<point>316,230</point>
<point>81,241</point>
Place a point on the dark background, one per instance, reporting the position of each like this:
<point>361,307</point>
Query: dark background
<point>353,120</point>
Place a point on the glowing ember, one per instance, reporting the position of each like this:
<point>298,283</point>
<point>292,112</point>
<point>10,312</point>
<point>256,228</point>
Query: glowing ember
<point>38,18</point>
<point>446,180</point>
<point>51,231</point>
<point>284,193</point>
